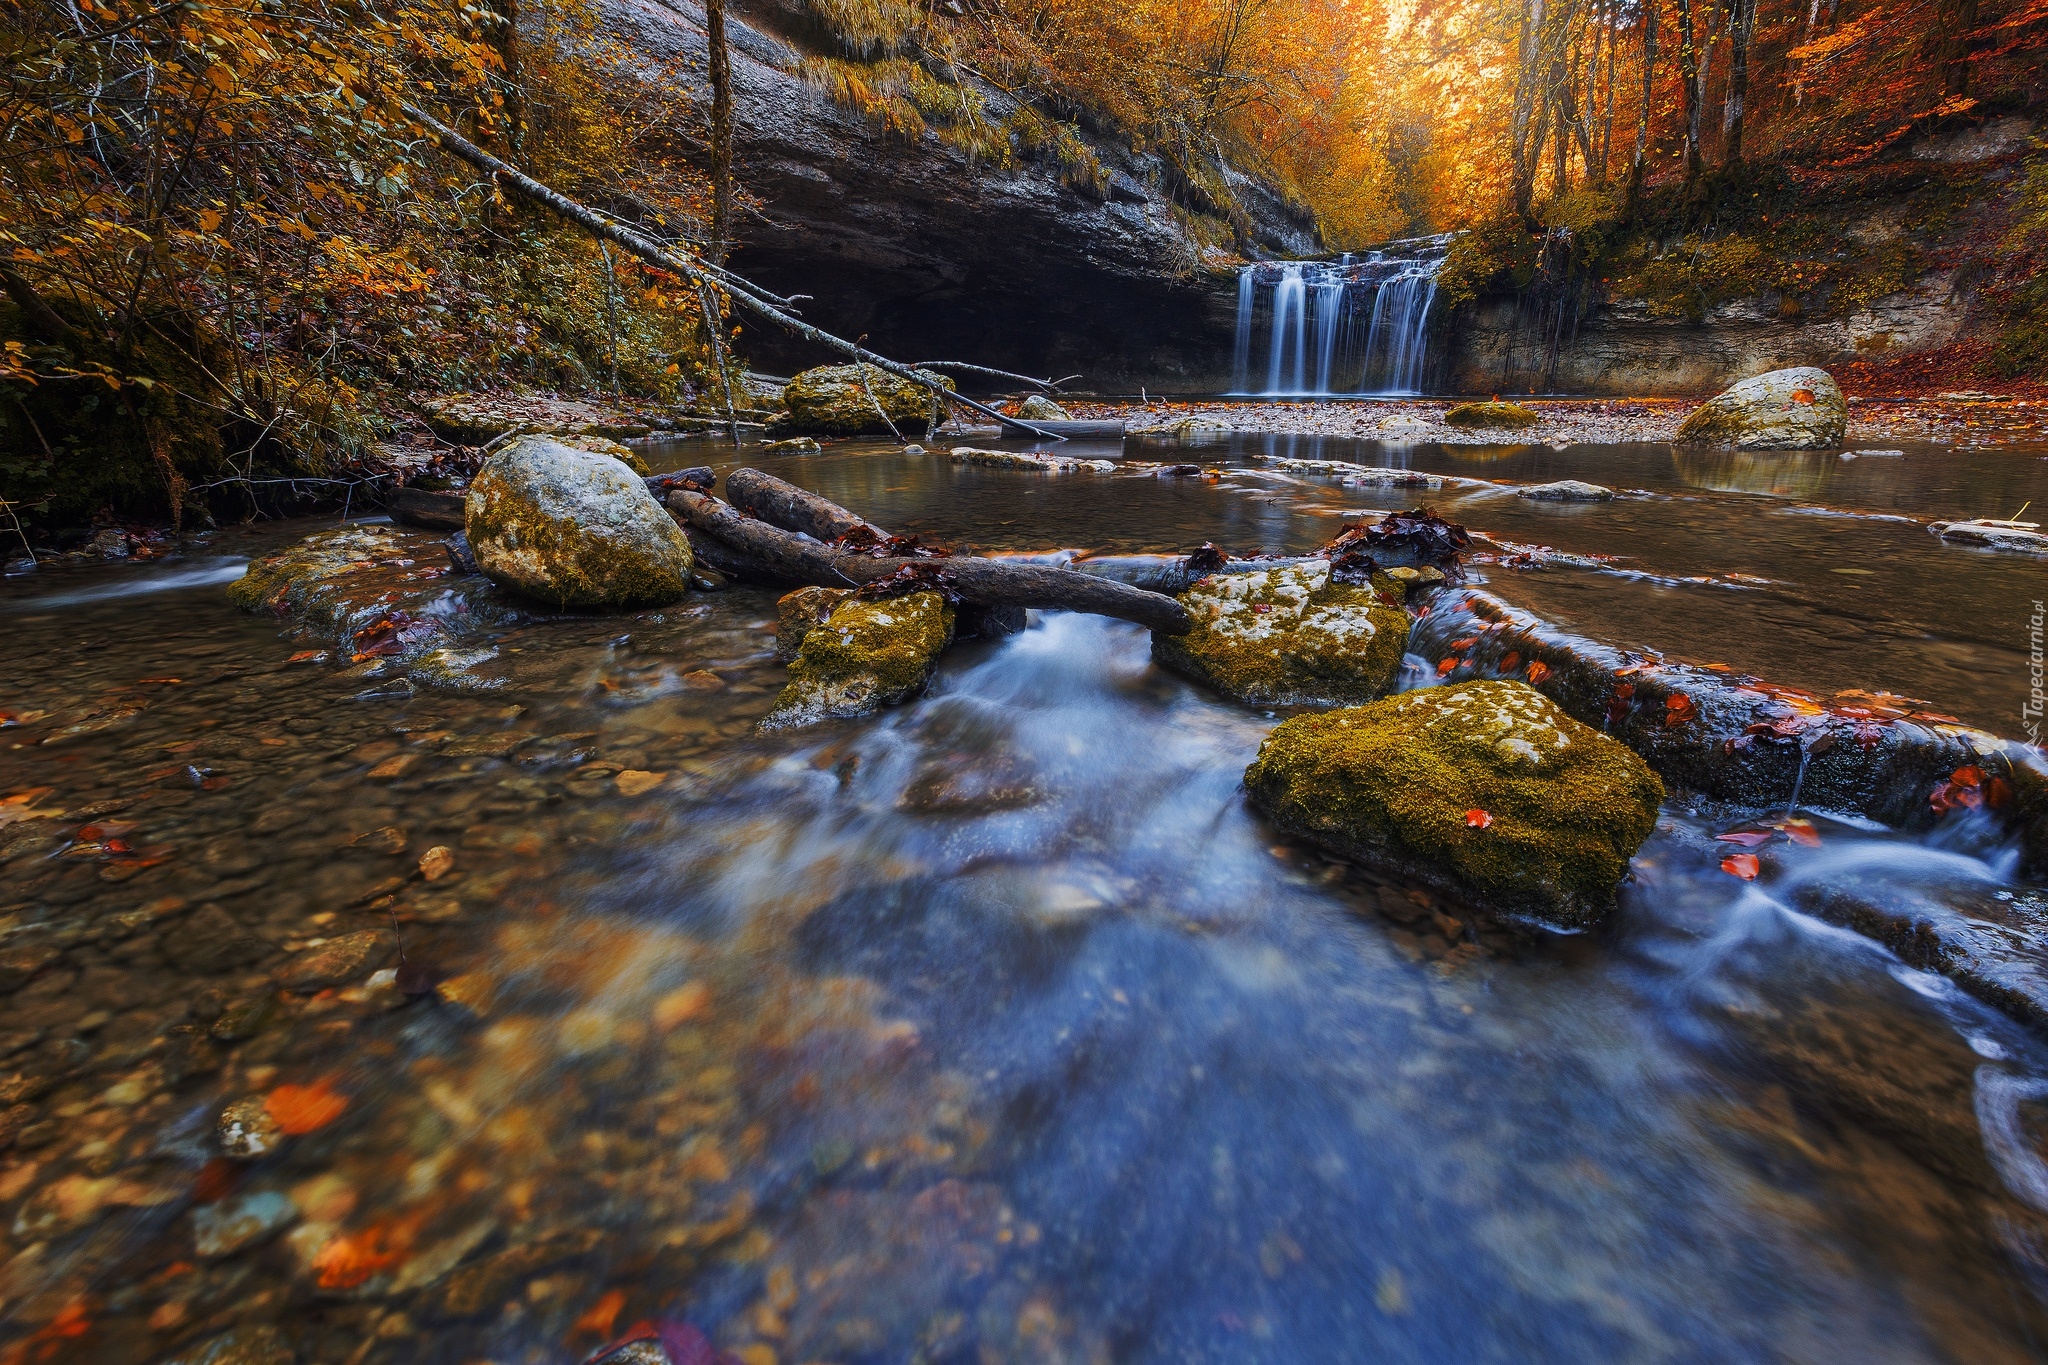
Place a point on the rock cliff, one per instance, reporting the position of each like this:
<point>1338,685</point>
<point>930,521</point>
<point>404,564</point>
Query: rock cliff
<point>933,257</point>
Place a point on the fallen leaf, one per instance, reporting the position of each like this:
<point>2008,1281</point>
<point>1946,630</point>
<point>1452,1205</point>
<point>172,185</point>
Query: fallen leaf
<point>1743,865</point>
<point>1802,832</point>
<point>1510,661</point>
<point>1445,666</point>
<point>437,862</point>
<point>346,1262</point>
<point>1678,709</point>
<point>1748,838</point>
<point>298,1109</point>
<point>1477,819</point>
<point>307,656</point>
<point>597,1320</point>
<point>1538,671</point>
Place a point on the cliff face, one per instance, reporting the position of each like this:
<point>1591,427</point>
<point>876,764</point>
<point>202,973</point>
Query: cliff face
<point>932,257</point>
<point>1623,348</point>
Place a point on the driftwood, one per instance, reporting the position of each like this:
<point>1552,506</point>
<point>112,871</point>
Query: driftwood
<point>781,503</point>
<point>750,548</point>
<point>1075,429</point>
<point>692,267</point>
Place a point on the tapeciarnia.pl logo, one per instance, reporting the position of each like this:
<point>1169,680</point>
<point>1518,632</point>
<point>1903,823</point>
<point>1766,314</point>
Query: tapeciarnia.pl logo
<point>2037,695</point>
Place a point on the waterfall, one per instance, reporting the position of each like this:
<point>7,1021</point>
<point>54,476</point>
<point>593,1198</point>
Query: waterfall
<point>1241,370</point>
<point>1365,315</point>
<point>1290,309</point>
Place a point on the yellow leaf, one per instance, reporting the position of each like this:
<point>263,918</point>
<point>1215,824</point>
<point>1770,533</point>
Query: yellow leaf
<point>209,220</point>
<point>222,78</point>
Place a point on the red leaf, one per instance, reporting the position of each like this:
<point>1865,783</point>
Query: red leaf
<point>1477,819</point>
<point>1678,709</point>
<point>1510,661</point>
<point>1969,775</point>
<point>305,1108</point>
<point>1748,838</point>
<point>1538,671</point>
<point>1743,865</point>
<point>1445,666</point>
<point>1803,833</point>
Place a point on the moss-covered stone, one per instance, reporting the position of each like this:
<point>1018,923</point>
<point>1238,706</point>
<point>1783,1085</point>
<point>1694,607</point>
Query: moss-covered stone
<point>1504,416</point>
<point>1287,636</point>
<point>605,445</point>
<point>1797,409</point>
<point>799,613</point>
<point>865,656</point>
<point>573,529</point>
<point>381,590</point>
<point>833,400</point>
<point>1486,790</point>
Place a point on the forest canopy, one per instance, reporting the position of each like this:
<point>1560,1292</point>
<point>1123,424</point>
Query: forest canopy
<point>226,246</point>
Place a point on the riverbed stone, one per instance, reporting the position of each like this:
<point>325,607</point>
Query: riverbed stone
<point>1494,415</point>
<point>233,1224</point>
<point>1039,408</point>
<point>333,962</point>
<point>573,529</point>
<point>1566,490</point>
<point>1287,636</point>
<point>210,940</point>
<point>240,1346</point>
<point>1796,409</point>
<point>246,1130</point>
<point>1029,461</point>
<point>834,400</point>
<point>1486,790</point>
<point>867,655</point>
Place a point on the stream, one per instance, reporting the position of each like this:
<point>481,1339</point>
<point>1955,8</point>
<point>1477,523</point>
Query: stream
<point>997,1028</point>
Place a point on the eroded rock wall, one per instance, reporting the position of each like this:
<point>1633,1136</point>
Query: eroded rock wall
<point>935,258</point>
<point>1622,348</point>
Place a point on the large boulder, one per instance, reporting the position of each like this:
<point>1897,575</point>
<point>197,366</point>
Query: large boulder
<point>1796,409</point>
<point>1485,790</point>
<point>865,656</point>
<point>573,529</point>
<point>1287,636</point>
<point>842,400</point>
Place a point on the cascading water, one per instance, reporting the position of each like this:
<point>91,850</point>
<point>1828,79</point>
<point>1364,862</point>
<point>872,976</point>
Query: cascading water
<point>1366,316</point>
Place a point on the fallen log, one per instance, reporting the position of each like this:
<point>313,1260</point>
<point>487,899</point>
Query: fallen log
<point>763,553</point>
<point>781,503</point>
<point>422,507</point>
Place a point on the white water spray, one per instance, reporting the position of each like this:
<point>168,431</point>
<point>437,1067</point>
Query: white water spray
<point>1357,324</point>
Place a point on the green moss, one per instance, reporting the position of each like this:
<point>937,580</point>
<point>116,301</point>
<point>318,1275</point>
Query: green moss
<point>1287,637</point>
<point>549,554</point>
<point>1490,415</point>
<point>1394,782</point>
<point>865,656</point>
<point>841,400</point>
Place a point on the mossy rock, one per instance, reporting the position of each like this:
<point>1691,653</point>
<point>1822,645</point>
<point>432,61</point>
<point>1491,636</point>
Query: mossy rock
<point>1796,409</point>
<point>1486,790</point>
<point>1501,416</point>
<point>573,529</point>
<point>867,655</point>
<point>833,401</point>
<point>605,445</point>
<point>1287,636</point>
<point>799,613</point>
<point>1039,408</point>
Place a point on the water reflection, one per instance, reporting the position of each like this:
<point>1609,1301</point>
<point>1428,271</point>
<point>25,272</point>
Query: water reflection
<point>1773,473</point>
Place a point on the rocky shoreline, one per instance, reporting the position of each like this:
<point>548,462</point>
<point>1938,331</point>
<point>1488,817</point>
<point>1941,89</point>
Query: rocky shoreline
<point>1571,421</point>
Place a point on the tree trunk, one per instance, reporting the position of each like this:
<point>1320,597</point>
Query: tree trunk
<point>721,132</point>
<point>1689,75</point>
<point>770,554</point>
<point>1741,29</point>
<point>1638,168</point>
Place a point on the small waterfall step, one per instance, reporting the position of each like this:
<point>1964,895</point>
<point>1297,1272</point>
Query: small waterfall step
<point>1363,314</point>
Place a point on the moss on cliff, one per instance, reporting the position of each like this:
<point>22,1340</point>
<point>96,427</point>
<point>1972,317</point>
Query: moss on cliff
<point>1485,788</point>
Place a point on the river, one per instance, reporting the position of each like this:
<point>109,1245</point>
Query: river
<point>997,1028</point>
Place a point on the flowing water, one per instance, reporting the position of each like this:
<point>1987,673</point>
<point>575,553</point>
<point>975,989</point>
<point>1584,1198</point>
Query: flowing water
<point>1356,324</point>
<point>996,1028</point>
